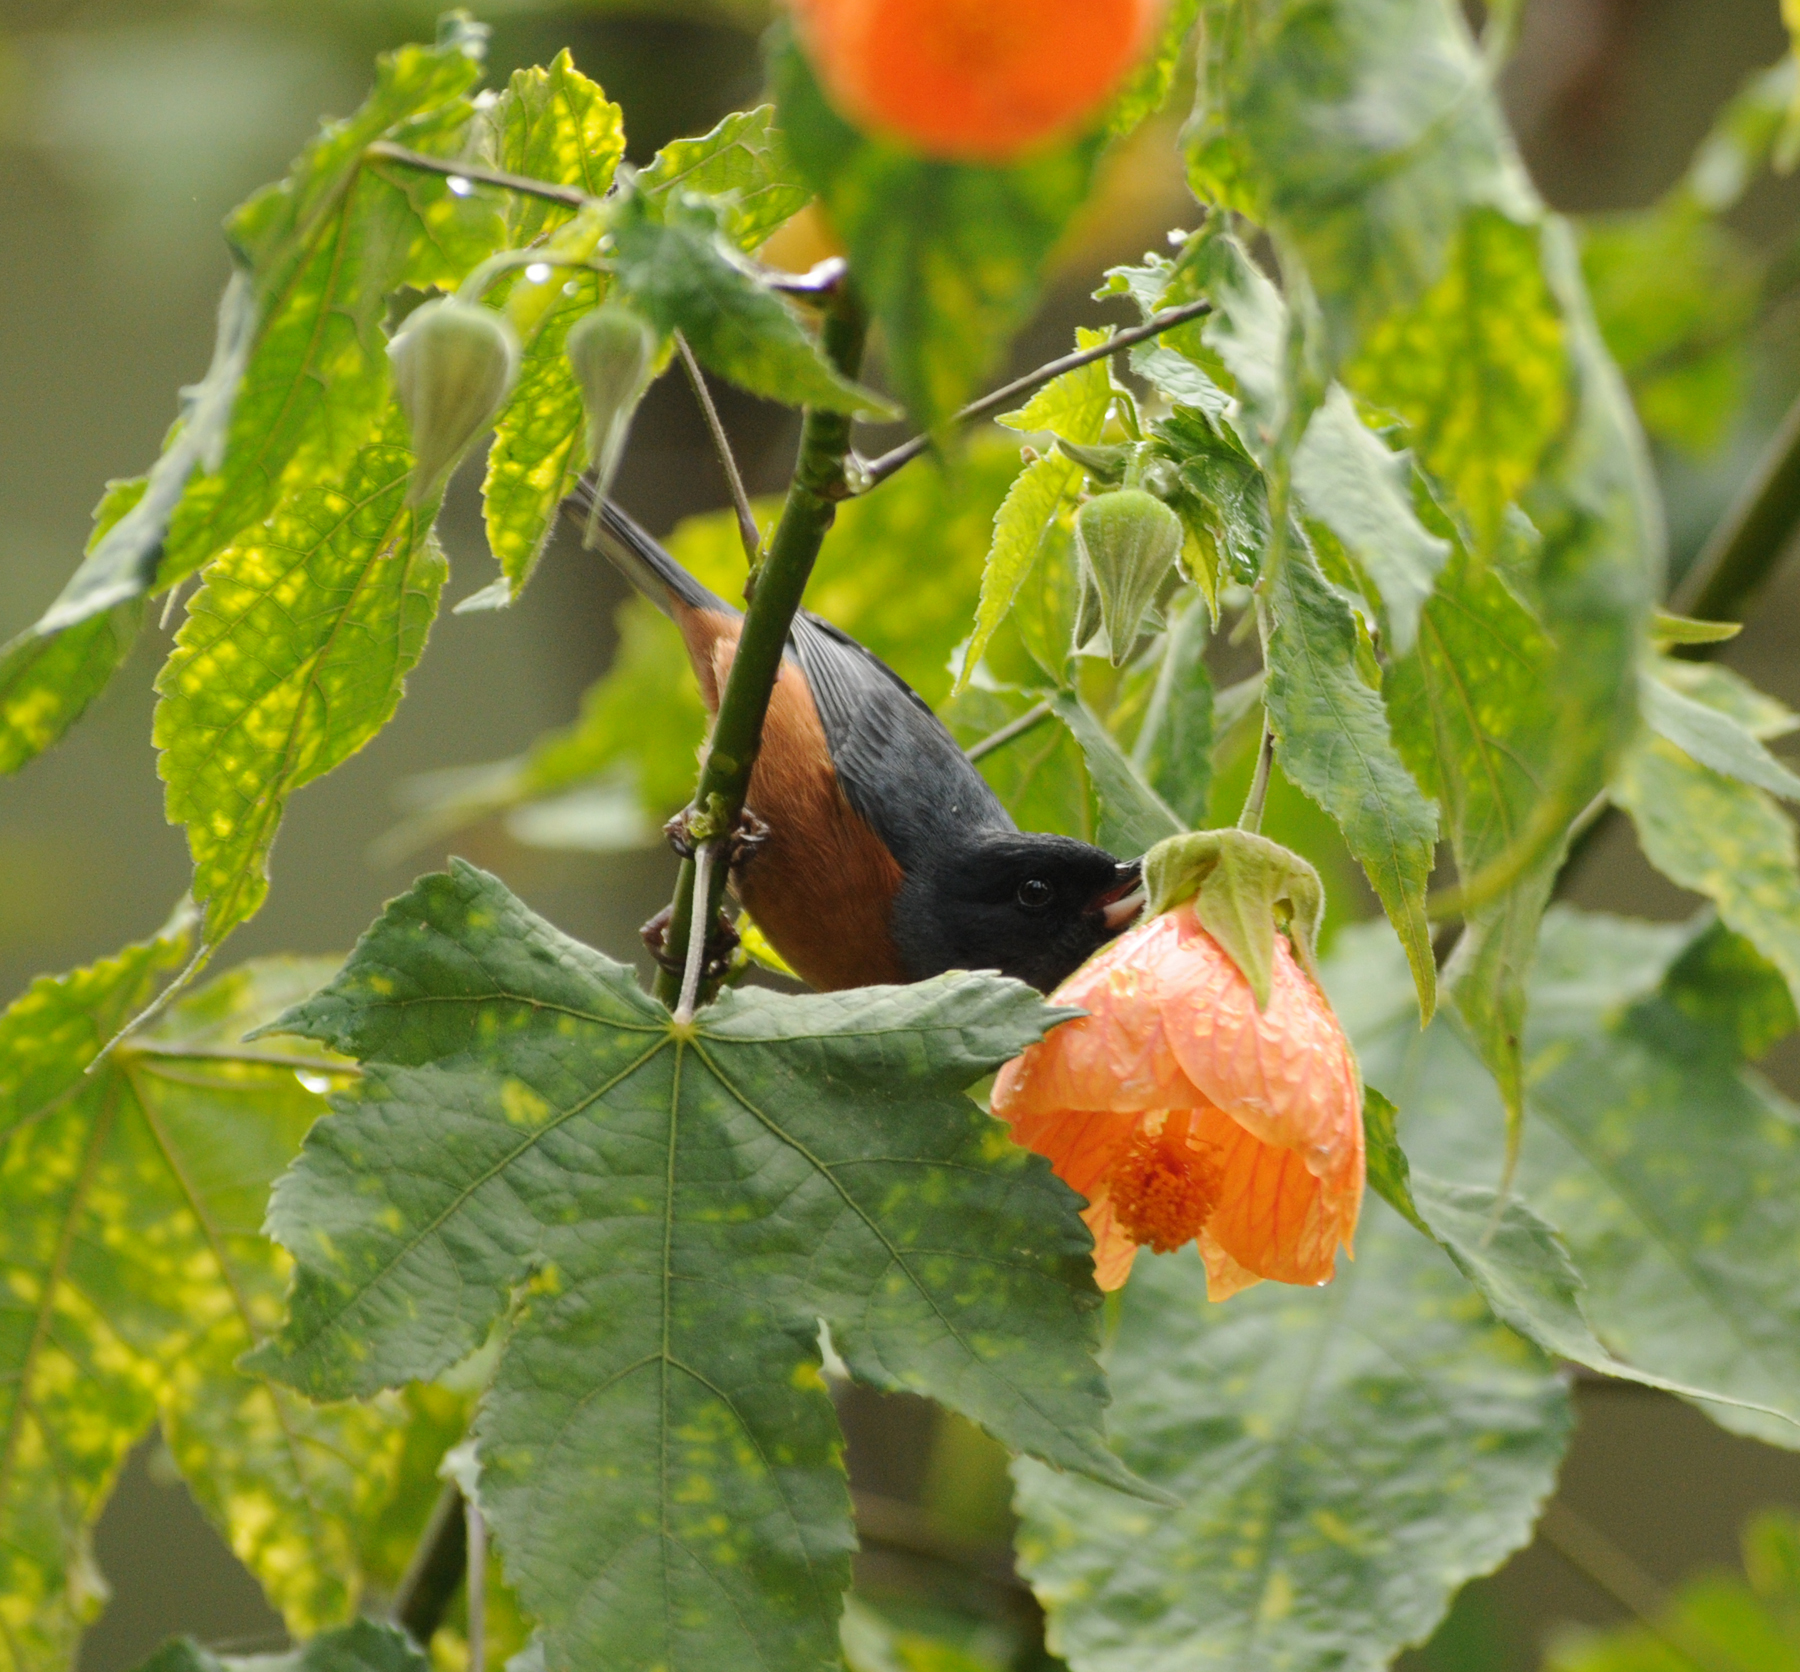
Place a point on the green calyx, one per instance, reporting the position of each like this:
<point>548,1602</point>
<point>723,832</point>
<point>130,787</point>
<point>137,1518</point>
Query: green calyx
<point>454,365</point>
<point>1246,889</point>
<point>613,353</point>
<point>1128,541</point>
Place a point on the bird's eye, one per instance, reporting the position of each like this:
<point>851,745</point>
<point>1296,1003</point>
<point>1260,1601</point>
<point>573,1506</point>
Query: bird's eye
<point>1034,894</point>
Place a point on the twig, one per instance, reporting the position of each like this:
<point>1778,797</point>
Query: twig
<point>456,169</point>
<point>1608,1569</point>
<point>425,1591</point>
<point>1028,721</point>
<point>1751,537</point>
<point>748,532</point>
<point>1251,817</point>
<point>880,469</point>
<point>476,1532</point>
<point>696,946</point>
<point>818,486</point>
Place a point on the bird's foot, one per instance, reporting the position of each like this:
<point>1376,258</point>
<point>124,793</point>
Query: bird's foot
<point>689,828</point>
<point>721,945</point>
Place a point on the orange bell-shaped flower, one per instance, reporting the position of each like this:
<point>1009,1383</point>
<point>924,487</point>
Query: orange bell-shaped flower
<point>1187,1111</point>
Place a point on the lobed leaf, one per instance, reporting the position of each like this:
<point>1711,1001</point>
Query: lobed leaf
<point>1714,739</point>
<point>1345,1458</point>
<point>669,1211</point>
<point>1175,740</point>
<point>131,1198</point>
<point>293,655</point>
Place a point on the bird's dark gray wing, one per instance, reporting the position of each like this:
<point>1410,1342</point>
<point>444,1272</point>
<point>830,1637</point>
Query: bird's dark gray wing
<point>901,770</point>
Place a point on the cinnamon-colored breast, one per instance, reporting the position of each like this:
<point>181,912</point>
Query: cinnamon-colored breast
<point>822,884</point>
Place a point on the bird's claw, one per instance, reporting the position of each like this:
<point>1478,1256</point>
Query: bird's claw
<point>721,945</point>
<point>747,835</point>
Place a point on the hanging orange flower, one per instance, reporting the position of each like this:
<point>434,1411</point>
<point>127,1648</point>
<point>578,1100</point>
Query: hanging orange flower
<point>974,80</point>
<point>1187,1111</point>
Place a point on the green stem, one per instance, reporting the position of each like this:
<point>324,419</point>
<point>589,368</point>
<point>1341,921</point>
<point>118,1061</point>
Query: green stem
<point>1750,539</point>
<point>778,584</point>
<point>436,1570</point>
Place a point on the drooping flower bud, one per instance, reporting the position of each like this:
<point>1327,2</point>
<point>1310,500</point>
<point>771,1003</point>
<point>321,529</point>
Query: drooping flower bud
<point>454,364</point>
<point>612,351</point>
<point>1128,541</point>
<point>1199,1099</point>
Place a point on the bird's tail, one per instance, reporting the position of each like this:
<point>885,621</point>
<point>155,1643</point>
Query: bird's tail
<point>647,566</point>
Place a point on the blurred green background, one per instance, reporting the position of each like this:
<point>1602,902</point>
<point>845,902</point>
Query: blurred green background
<point>128,127</point>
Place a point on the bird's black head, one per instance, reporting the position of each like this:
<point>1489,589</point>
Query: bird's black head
<point>1033,907</point>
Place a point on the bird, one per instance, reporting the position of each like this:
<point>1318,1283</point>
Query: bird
<point>885,856</point>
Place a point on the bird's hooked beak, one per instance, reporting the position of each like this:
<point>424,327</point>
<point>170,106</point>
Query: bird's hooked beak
<point>1118,905</point>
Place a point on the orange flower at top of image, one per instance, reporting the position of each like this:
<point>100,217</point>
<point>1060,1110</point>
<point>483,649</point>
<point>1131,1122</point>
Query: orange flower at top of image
<point>973,80</point>
<point>1185,1111</point>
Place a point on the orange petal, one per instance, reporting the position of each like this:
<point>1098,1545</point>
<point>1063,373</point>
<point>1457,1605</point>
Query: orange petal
<point>1081,1144</point>
<point>1117,1056</point>
<point>1224,1276</point>
<point>1286,1073</point>
<point>1113,1250</point>
<point>1274,1217</point>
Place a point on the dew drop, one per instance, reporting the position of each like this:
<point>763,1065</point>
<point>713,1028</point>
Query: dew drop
<point>459,186</point>
<point>538,272</point>
<point>317,1084</point>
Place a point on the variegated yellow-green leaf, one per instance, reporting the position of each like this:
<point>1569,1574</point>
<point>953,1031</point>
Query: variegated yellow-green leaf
<point>131,1205</point>
<point>293,655</point>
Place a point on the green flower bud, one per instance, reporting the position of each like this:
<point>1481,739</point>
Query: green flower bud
<point>1128,541</point>
<point>454,364</point>
<point>612,351</point>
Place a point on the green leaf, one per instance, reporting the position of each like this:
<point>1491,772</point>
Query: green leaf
<point>553,124</point>
<point>675,1209</point>
<point>1370,207</point>
<point>1478,370</point>
<point>1474,717</point>
<point>47,680</point>
<point>1721,838</point>
<point>1713,739</point>
<point>323,249</point>
<point>1724,983</point>
<point>1346,479</point>
<point>1345,1459</point>
<point>52,671</point>
<point>362,1646</point>
<point>741,160</point>
<point>1686,1249</point>
<point>1147,88</point>
<point>949,257</point>
<point>1133,817</point>
<point>1332,736</point>
<point>1074,407</point>
<point>293,655</point>
<point>1730,693</point>
<point>680,272</point>
<point>1676,295</point>
<point>131,1199</point>
<point>1175,741</point>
